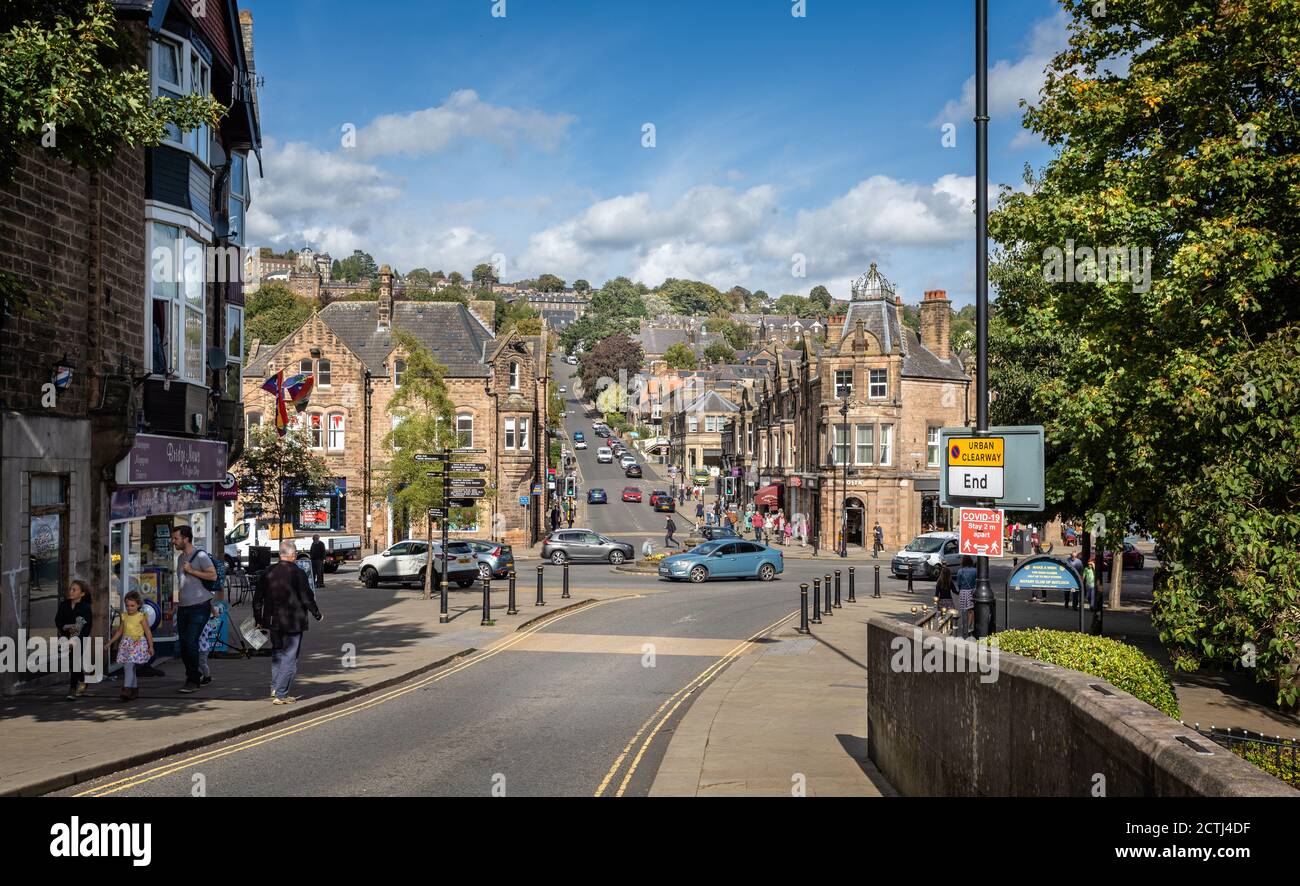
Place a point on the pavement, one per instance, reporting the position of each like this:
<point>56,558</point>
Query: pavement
<point>368,640</point>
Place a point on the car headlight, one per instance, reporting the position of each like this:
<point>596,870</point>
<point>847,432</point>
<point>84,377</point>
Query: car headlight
<point>680,567</point>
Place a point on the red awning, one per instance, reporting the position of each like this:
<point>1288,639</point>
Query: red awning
<point>768,496</point>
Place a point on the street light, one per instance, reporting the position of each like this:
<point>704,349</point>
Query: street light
<point>984,601</point>
<point>844,506</point>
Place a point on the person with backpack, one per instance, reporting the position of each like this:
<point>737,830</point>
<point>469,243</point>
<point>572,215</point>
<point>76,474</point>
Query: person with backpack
<point>283,600</point>
<point>198,582</point>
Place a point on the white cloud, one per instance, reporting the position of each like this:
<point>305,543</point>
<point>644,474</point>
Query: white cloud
<point>462,117</point>
<point>1011,81</point>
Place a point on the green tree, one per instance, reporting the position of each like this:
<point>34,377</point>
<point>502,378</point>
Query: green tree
<point>456,278</point>
<point>615,358</point>
<point>419,277</point>
<point>425,424</point>
<point>73,84</point>
<point>445,294</point>
<point>581,286</point>
<point>484,275</point>
<point>694,297</point>
<point>737,335</point>
<point>271,468</point>
<point>719,352</point>
<point>272,312</point>
<point>550,283</point>
<point>821,297</point>
<point>679,356</point>
<point>794,306</point>
<point>1168,397</point>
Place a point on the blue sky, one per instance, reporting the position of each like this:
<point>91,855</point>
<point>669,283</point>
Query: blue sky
<point>521,138</point>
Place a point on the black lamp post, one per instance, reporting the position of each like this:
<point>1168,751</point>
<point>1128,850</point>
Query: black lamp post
<point>984,601</point>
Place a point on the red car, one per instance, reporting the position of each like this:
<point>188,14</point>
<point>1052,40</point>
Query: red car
<point>656,495</point>
<point>632,493</point>
<point>1133,558</point>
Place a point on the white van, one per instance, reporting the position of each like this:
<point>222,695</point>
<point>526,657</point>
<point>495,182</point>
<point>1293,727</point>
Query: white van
<point>926,554</point>
<point>604,455</point>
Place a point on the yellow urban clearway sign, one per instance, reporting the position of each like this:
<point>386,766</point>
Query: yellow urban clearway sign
<point>984,452</point>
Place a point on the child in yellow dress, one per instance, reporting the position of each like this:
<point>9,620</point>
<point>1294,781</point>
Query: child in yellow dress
<point>137,644</point>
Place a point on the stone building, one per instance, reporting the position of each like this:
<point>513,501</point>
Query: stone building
<point>119,389</point>
<point>695,432</point>
<point>868,402</point>
<point>498,386</point>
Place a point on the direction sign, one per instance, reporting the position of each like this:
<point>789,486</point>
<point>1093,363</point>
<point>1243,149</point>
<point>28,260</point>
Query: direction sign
<point>457,492</point>
<point>436,513</point>
<point>468,451</point>
<point>463,502</point>
<point>981,531</point>
<point>467,466</point>
<point>430,456</point>
<point>468,483</point>
<point>975,467</point>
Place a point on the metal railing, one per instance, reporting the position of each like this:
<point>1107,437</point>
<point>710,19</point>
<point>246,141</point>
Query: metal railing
<point>1278,756</point>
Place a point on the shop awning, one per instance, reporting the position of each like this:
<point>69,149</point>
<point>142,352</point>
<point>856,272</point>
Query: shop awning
<point>768,496</point>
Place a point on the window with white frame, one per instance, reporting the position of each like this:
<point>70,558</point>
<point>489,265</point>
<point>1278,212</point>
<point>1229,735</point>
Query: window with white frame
<point>322,373</point>
<point>304,366</point>
<point>510,433</point>
<point>879,388</point>
<point>886,443</point>
<point>178,317</point>
<point>464,430</point>
<point>843,383</point>
<point>316,427</point>
<point>234,349</point>
<point>238,203</point>
<point>932,447</point>
<point>710,423</point>
<point>692,423</point>
<point>523,434</point>
<point>399,369</point>
<point>841,444</point>
<point>866,444</point>
<point>749,440</point>
<point>336,428</point>
<point>179,69</point>
<point>514,376</point>
<point>395,421</point>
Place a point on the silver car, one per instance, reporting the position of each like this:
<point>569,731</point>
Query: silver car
<point>583,544</point>
<point>495,560</point>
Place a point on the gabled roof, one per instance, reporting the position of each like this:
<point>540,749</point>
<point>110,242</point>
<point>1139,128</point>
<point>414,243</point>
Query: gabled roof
<point>452,334</point>
<point>711,401</point>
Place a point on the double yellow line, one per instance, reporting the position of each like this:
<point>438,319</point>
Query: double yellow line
<point>650,728</point>
<point>171,768</point>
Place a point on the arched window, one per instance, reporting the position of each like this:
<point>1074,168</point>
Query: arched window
<point>334,428</point>
<point>399,369</point>
<point>464,430</point>
<point>316,428</point>
<point>514,376</point>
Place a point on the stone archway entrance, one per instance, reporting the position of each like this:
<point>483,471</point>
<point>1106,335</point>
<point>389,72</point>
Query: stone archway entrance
<point>855,522</point>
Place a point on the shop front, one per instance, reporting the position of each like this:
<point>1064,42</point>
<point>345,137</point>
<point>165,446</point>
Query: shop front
<point>164,482</point>
<point>934,517</point>
<point>317,512</point>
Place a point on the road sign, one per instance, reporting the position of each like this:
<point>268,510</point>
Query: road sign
<point>469,482</point>
<point>523,500</point>
<point>461,502</point>
<point>981,531</point>
<point>467,466</point>
<point>457,492</point>
<point>974,471</point>
<point>470,451</point>
<point>537,489</point>
<point>430,456</point>
<point>975,466</point>
<point>437,513</point>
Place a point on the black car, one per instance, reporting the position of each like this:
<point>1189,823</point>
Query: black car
<point>633,470</point>
<point>665,504</point>
<point>597,497</point>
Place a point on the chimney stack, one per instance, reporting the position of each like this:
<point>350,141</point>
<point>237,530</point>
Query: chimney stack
<point>936,323</point>
<point>385,297</point>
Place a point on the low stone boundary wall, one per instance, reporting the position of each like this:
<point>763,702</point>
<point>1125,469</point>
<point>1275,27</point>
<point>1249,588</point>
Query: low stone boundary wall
<point>948,720</point>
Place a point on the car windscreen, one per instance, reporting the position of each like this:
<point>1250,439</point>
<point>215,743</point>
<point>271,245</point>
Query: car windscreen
<point>707,548</point>
<point>459,547</point>
<point>925,545</point>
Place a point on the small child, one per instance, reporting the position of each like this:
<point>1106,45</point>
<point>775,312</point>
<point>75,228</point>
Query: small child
<point>208,638</point>
<point>136,646</point>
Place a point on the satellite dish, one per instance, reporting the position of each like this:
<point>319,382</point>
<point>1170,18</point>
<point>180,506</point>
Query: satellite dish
<point>216,359</point>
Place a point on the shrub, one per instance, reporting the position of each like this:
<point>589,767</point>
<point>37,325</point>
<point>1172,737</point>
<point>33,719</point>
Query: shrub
<point>1120,664</point>
<point>1282,766</point>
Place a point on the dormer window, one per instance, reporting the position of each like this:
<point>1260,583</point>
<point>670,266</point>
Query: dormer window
<point>514,376</point>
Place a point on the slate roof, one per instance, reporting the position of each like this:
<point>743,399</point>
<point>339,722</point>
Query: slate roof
<point>657,341</point>
<point>455,337</point>
<point>880,318</point>
<point>711,401</point>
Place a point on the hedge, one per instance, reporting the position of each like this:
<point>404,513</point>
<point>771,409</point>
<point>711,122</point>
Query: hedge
<point>1120,664</point>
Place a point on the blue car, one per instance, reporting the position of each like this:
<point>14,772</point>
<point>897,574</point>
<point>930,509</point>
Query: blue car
<point>724,559</point>
<point>597,497</point>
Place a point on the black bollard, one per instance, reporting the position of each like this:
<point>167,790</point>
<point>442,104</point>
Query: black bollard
<point>838,604</point>
<point>876,594</point>
<point>817,601</point>
<point>564,595</point>
<point>487,601</point>
<point>803,608</point>
<point>541,601</point>
<point>852,599</point>
<point>827,585</point>
<point>909,578</point>
<point>511,609</point>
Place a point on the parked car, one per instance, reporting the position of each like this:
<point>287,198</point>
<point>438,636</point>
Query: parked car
<point>597,497</point>
<point>601,432</point>
<point>926,554</point>
<point>604,455</point>
<point>656,495</point>
<point>631,493</point>
<point>494,559</point>
<point>632,470</point>
<point>583,544</point>
<point>572,361</point>
<point>405,563</point>
<point>1133,558</point>
<point>718,533</point>
<point>724,559</point>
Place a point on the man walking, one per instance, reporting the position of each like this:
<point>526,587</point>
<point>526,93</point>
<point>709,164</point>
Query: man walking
<point>758,526</point>
<point>878,542</point>
<point>281,605</point>
<point>318,560</point>
<point>195,604</point>
<point>669,528</point>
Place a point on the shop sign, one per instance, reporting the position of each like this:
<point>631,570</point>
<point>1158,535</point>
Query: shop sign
<point>158,459</point>
<point>157,501</point>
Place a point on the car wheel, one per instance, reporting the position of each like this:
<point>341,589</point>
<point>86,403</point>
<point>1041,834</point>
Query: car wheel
<point>699,574</point>
<point>558,557</point>
<point>464,582</point>
<point>484,571</point>
<point>369,577</point>
<point>766,572</point>
<point>616,557</point>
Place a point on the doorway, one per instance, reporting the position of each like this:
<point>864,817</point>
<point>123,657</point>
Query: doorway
<point>855,518</point>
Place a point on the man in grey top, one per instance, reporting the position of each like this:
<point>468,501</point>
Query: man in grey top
<point>194,567</point>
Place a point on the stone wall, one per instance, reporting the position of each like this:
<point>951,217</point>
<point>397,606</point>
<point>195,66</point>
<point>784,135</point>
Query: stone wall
<point>1035,731</point>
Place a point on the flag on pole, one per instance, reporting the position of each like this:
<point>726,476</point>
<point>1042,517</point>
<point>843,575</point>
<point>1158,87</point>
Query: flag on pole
<point>275,385</point>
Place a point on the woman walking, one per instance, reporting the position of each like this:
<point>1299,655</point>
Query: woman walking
<point>966,594</point>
